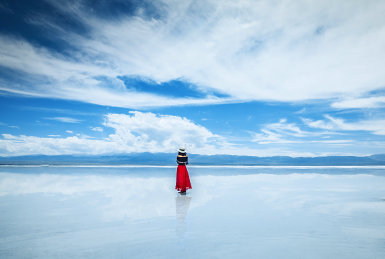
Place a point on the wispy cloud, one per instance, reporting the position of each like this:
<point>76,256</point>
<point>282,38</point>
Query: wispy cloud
<point>269,137</point>
<point>58,110</point>
<point>76,80</point>
<point>281,132</point>
<point>65,119</point>
<point>284,51</point>
<point>98,129</point>
<point>284,132</point>
<point>330,123</point>
<point>365,102</point>
<point>288,128</point>
<point>9,126</point>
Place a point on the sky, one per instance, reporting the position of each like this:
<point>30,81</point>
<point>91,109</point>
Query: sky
<point>261,78</point>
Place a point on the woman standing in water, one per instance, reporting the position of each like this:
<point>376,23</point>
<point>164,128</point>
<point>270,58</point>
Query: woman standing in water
<point>182,178</point>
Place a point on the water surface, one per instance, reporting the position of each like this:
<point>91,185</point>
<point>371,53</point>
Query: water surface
<point>231,212</point>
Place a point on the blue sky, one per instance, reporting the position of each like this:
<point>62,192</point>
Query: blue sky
<point>219,77</point>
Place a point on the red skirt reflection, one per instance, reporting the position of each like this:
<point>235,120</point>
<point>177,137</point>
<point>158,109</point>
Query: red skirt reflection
<point>182,179</point>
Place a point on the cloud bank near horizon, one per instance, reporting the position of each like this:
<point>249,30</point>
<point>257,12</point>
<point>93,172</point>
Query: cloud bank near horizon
<point>278,51</point>
<point>137,132</point>
<point>133,132</point>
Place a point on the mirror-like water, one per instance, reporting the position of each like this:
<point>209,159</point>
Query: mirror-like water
<point>128,212</point>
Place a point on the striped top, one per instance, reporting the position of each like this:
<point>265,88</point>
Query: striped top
<point>182,159</point>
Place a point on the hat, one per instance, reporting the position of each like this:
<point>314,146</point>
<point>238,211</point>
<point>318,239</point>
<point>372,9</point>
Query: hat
<point>182,150</point>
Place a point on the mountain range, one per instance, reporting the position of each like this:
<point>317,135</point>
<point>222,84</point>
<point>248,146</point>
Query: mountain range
<point>194,159</point>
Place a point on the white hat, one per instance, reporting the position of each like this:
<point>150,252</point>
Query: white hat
<point>182,150</point>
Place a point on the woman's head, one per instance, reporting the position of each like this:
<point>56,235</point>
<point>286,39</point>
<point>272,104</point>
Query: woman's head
<point>181,150</point>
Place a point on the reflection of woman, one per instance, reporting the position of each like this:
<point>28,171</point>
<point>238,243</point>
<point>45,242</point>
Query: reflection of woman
<point>182,178</point>
<point>182,205</point>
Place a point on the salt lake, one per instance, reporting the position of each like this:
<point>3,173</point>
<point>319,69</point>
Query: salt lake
<point>231,212</point>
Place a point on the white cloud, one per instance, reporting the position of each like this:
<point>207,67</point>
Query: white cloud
<point>330,123</point>
<point>268,137</point>
<point>65,119</point>
<point>9,126</point>
<point>283,132</point>
<point>69,131</point>
<point>76,80</point>
<point>280,50</point>
<point>138,132</point>
<point>254,50</point>
<point>288,128</point>
<point>30,145</point>
<point>337,141</point>
<point>368,102</point>
<point>134,132</point>
<point>141,132</point>
<point>303,110</point>
<point>98,129</point>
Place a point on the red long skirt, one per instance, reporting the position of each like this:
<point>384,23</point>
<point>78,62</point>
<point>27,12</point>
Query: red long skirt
<point>182,179</point>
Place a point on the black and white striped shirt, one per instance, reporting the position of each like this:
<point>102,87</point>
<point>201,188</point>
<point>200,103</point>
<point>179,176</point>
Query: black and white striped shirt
<point>182,159</point>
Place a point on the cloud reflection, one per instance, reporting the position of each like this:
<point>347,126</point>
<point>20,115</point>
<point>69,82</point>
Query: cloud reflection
<point>124,196</point>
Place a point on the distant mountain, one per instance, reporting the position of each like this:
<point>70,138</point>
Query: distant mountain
<point>286,160</point>
<point>380,157</point>
<point>194,159</point>
<point>129,159</point>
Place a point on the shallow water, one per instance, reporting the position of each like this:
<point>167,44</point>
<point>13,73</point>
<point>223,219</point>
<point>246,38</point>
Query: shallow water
<point>129,212</point>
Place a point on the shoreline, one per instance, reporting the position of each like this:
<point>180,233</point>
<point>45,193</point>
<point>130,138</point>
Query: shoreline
<point>200,166</point>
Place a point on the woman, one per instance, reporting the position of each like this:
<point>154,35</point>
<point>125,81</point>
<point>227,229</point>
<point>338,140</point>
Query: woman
<point>182,178</point>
